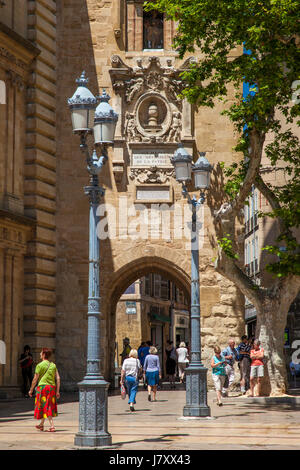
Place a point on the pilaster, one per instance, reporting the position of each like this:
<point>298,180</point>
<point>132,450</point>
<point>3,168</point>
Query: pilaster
<point>40,180</point>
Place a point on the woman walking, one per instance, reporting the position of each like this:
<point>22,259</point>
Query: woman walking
<point>218,364</point>
<point>48,380</point>
<point>171,363</point>
<point>152,372</point>
<point>182,358</point>
<point>131,368</point>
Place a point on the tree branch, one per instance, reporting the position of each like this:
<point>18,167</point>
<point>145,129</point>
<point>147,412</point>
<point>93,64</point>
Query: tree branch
<point>271,198</point>
<point>229,268</point>
<point>233,208</point>
<point>256,148</point>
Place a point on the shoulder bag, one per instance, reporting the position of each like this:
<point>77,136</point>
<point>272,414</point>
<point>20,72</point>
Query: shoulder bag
<point>139,372</point>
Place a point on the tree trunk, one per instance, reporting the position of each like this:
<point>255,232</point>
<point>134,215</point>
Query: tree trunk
<point>271,322</point>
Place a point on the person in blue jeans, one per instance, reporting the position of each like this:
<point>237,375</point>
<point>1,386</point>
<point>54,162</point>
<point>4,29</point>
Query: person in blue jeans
<point>152,372</point>
<point>131,368</point>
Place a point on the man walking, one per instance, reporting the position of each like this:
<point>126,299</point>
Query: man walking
<point>231,355</point>
<point>244,353</point>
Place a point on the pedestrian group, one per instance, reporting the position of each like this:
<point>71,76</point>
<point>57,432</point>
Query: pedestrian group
<point>249,356</point>
<point>144,364</point>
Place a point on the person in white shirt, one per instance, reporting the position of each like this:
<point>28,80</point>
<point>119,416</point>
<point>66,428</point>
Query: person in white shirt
<point>182,360</point>
<point>131,368</point>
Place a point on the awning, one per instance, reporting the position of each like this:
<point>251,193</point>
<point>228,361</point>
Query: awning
<point>161,318</point>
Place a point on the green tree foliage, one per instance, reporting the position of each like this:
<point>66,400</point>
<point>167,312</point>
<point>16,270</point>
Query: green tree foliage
<point>268,33</point>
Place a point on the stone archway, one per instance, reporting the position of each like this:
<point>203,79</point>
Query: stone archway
<point>123,277</point>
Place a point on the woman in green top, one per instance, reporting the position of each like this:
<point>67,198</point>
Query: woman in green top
<point>47,377</point>
<point>218,364</point>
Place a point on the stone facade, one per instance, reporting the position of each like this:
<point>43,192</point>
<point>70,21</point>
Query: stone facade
<point>45,45</point>
<point>27,181</point>
<point>105,39</point>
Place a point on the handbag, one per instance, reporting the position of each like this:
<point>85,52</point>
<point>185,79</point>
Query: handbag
<point>139,373</point>
<point>123,391</point>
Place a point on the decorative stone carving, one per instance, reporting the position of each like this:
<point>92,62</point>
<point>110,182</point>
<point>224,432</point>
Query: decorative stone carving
<point>174,135</point>
<point>15,80</point>
<point>187,63</point>
<point>153,117</point>
<point>151,175</point>
<point>133,87</point>
<point>130,129</point>
<point>117,62</point>
<point>154,80</point>
<point>151,113</point>
<point>13,59</point>
<point>117,32</point>
<point>140,79</point>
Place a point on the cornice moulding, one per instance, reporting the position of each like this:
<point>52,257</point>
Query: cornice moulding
<point>15,49</point>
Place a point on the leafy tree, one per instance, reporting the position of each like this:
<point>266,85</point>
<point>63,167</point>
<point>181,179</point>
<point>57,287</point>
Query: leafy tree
<point>267,33</point>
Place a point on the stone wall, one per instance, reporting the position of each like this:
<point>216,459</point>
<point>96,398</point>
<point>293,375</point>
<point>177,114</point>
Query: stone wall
<point>27,182</point>
<point>40,179</point>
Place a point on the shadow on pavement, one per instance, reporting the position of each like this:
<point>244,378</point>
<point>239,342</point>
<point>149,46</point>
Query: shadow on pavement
<point>161,438</point>
<point>16,408</point>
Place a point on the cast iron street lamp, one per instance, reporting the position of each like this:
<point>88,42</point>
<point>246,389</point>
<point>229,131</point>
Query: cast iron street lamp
<point>101,120</point>
<point>196,373</point>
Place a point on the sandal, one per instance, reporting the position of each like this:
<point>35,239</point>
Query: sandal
<point>40,427</point>
<point>52,429</point>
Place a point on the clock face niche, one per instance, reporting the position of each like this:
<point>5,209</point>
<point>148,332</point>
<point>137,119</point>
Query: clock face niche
<point>153,115</point>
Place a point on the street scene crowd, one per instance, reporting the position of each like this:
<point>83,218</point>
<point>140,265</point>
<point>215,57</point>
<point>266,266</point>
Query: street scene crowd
<point>144,364</point>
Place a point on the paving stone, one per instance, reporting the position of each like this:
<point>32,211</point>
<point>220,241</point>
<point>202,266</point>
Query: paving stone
<point>159,425</point>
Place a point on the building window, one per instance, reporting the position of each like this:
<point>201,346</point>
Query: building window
<point>147,284</point>
<point>157,284</point>
<point>147,30</point>
<point>153,30</point>
<point>165,289</point>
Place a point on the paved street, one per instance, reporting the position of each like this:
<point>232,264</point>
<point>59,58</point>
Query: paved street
<point>239,424</point>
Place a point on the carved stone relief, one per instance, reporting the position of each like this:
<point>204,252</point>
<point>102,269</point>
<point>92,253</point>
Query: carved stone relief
<point>151,175</point>
<point>152,113</point>
<point>12,58</point>
<point>15,80</point>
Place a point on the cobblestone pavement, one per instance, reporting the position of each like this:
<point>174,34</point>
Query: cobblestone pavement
<point>238,425</point>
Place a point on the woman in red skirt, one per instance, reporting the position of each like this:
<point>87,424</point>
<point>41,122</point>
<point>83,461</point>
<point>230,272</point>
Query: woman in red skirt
<point>48,380</point>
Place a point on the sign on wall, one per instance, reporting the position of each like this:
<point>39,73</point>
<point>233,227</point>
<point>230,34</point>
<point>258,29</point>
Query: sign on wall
<point>130,307</point>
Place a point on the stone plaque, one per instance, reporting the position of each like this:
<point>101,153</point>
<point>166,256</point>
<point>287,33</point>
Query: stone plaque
<point>151,158</point>
<point>154,193</point>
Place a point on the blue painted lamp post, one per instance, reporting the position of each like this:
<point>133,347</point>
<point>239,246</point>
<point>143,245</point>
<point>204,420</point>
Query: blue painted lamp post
<point>101,120</point>
<point>196,373</point>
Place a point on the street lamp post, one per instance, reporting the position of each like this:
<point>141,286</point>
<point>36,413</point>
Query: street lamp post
<point>196,373</point>
<point>93,390</point>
